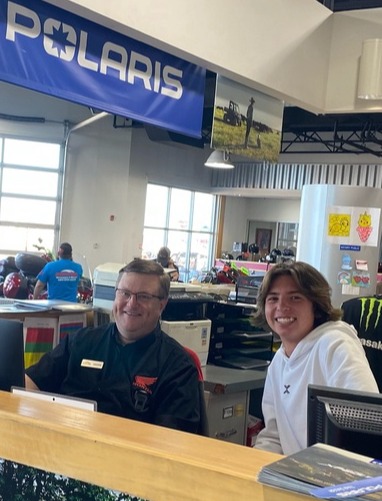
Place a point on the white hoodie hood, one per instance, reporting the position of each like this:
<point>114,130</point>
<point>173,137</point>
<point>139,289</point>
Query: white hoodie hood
<point>326,330</point>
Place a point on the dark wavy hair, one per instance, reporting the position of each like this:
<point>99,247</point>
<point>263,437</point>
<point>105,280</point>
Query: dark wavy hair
<point>310,282</point>
<point>147,267</point>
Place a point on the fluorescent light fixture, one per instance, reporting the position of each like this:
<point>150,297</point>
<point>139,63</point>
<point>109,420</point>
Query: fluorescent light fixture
<point>219,159</point>
<point>370,70</point>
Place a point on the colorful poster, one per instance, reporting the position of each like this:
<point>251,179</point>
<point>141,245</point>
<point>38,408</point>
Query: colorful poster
<point>354,225</point>
<point>40,334</point>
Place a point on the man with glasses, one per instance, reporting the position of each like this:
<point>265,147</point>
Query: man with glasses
<point>130,367</point>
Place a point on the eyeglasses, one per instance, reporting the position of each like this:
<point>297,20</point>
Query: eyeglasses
<point>141,297</point>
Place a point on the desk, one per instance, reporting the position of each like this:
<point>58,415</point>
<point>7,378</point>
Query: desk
<point>45,326</point>
<point>228,400</point>
<point>49,308</point>
<point>152,462</point>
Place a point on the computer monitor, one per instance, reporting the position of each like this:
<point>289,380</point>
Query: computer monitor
<point>56,398</point>
<point>11,354</point>
<point>348,419</point>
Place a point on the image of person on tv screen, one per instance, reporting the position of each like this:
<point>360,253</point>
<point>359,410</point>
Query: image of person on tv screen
<point>249,121</point>
<point>294,301</point>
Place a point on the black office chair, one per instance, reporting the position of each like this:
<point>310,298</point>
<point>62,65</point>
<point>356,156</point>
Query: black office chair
<point>203,424</point>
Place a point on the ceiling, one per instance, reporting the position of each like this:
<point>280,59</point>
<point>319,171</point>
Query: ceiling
<point>342,5</point>
<point>340,133</point>
<point>302,131</point>
<point>356,133</point>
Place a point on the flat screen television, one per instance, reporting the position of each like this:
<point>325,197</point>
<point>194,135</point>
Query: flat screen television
<point>348,419</point>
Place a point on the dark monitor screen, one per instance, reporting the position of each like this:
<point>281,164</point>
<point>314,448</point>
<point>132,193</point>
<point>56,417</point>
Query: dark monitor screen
<point>348,419</point>
<point>11,354</point>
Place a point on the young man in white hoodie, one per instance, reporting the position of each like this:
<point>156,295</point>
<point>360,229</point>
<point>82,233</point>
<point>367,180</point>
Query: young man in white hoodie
<point>317,348</point>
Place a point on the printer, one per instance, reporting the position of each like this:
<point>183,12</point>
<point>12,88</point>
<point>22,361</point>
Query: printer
<point>104,280</point>
<point>193,334</point>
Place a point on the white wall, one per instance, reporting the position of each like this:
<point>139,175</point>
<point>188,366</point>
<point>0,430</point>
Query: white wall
<point>349,30</point>
<point>17,103</point>
<point>169,164</point>
<point>235,221</point>
<point>240,210</point>
<point>108,170</point>
<point>295,50</point>
<point>97,187</point>
<point>107,174</point>
<point>280,210</point>
<point>285,43</point>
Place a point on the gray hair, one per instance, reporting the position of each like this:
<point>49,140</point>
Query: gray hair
<point>147,267</point>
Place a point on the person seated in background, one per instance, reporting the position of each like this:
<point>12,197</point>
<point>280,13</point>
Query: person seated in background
<point>129,367</point>
<point>61,277</point>
<point>317,348</point>
<point>164,259</point>
<point>244,256</point>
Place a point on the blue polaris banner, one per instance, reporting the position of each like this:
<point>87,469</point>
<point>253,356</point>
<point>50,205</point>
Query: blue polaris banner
<point>47,49</point>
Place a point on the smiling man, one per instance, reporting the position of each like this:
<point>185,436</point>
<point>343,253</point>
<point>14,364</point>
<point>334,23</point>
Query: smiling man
<point>317,348</point>
<point>130,367</point>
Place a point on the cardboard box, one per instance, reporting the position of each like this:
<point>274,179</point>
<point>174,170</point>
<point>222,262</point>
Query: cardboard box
<point>192,334</point>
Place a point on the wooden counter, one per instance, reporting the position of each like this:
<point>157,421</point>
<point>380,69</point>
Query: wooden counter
<point>148,461</point>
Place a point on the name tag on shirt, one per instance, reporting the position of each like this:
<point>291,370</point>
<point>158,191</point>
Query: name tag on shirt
<point>92,364</point>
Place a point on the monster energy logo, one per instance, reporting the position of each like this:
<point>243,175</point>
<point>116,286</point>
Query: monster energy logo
<point>368,307</point>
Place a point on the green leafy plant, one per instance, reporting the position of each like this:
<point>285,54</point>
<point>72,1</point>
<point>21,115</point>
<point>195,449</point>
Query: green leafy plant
<point>47,253</point>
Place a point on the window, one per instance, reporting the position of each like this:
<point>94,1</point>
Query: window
<point>30,194</point>
<point>185,222</point>
<point>287,234</point>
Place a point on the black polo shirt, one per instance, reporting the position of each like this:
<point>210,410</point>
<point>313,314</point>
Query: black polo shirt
<point>152,380</point>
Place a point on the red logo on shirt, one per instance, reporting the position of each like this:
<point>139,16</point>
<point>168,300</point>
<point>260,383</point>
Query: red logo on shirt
<point>143,383</point>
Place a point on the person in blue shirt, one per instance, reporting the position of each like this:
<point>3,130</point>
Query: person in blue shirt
<point>61,277</point>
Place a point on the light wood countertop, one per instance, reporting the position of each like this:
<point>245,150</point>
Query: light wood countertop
<point>152,462</point>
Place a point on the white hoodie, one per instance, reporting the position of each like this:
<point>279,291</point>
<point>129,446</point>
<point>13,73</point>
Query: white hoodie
<point>330,355</point>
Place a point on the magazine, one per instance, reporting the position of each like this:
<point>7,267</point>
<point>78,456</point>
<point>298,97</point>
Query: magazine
<point>326,466</point>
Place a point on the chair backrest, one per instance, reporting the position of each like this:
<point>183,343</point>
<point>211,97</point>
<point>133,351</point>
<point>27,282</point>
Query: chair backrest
<point>203,425</point>
<point>11,354</point>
